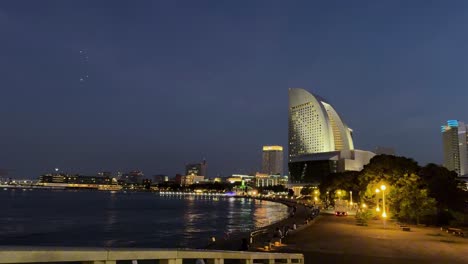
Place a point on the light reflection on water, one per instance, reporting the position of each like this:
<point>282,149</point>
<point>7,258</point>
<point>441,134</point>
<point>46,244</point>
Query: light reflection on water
<point>90,218</point>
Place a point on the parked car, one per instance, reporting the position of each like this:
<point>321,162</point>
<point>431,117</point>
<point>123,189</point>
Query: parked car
<point>341,213</point>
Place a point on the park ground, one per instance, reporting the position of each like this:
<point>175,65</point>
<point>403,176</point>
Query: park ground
<point>333,239</point>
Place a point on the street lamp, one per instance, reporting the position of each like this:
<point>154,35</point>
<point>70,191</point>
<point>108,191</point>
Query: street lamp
<point>351,197</point>
<point>378,208</point>
<point>384,214</point>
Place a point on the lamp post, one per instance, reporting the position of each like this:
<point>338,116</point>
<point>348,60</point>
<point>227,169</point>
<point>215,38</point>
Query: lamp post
<point>384,214</point>
<point>351,198</point>
<point>377,209</point>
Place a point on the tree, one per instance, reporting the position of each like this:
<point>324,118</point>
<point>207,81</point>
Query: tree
<point>386,168</point>
<point>444,186</point>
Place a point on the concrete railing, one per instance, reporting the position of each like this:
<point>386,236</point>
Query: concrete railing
<point>132,255</point>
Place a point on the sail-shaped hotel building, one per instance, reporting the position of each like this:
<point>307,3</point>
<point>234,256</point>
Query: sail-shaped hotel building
<point>320,142</point>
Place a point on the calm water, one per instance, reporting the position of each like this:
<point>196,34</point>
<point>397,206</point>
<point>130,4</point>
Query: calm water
<point>104,219</point>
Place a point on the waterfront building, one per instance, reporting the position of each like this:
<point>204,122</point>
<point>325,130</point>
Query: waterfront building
<point>185,180</point>
<point>272,160</point>
<point>455,143</point>
<point>197,169</point>
<point>74,179</point>
<point>78,181</point>
<point>133,177</point>
<point>265,180</point>
<point>238,178</point>
<point>320,142</point>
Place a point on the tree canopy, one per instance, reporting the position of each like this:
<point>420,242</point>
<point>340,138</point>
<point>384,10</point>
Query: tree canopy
<point>412,193</point>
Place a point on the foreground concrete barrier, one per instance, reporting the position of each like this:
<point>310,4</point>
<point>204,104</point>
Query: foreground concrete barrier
<point>163,256</point>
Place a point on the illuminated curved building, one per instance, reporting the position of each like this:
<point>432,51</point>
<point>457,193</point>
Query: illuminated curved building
<point>314,126</point>
<point>320,142</point>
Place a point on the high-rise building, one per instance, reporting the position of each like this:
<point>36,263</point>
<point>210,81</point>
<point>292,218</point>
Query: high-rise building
<point>314,126</point>
<point>455,140</point>
<point>272,160</point>
<point>197,169</point>
<point>320,142</point>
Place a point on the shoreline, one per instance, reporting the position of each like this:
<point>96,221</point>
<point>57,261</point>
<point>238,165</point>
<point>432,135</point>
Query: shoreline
<point>266,232</point>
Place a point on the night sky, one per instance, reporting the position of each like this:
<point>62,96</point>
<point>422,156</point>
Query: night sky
<point>87,86</point>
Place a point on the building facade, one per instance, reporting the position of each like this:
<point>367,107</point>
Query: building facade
<point>272,160</point>
<point>315,126</point>
<point>320,142</point>
<point>455,141</point>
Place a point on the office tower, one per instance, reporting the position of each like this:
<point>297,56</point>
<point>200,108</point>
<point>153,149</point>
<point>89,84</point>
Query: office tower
<point>455,141</point>
<point>272,160</point>
<point>320,142</point>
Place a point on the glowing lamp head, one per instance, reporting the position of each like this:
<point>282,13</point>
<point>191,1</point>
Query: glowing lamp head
<point>377,190</point>
<point>383,187</point>
<point>384,215</point>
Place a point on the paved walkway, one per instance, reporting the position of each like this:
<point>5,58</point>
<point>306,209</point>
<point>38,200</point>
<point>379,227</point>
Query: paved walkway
<point>333,239</point>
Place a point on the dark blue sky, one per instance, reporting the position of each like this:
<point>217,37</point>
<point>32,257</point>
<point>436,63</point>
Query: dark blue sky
<point>172,82</point>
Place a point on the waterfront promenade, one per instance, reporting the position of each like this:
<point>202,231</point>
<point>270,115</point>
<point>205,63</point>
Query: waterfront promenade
<point>333,239</point>
<point>266,233</point>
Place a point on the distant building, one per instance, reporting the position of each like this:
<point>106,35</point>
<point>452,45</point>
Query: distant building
<point>178,179</point>
<point>197,169</point>
<point>320,142</point>
<point>455,141</point>
<point>316,167</point>
<point>272,160</point>
<point>74,179</point>
<point>384,151</point>
<point>185,180</point>
<point>238,178</point>
<point>160,178</point>
<point>133,177</point>
<point>264,180</point>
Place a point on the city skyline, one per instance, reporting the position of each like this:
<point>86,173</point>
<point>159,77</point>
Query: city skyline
<point>109,86</point>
